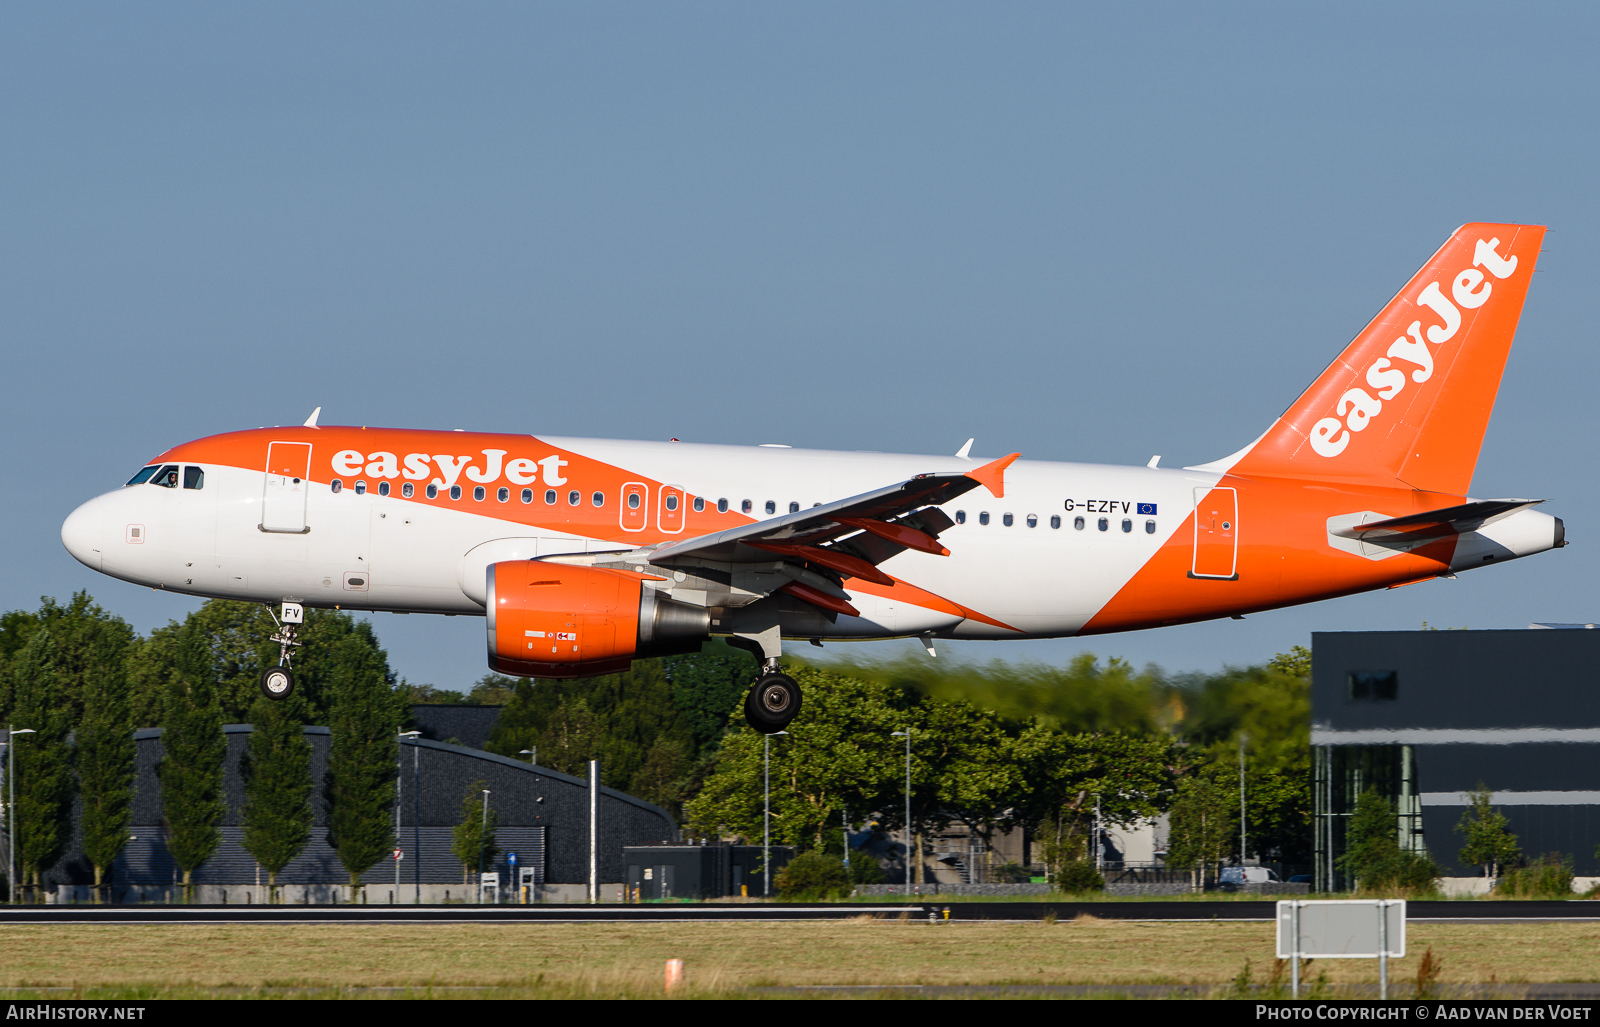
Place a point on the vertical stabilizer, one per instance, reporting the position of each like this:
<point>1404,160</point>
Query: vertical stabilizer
<point>1407,402</point>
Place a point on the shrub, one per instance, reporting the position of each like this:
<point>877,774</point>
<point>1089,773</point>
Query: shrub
<point>1011,873</point>
<point>812,875</point>
<point>1079,875</point>
<point>1548,877</point>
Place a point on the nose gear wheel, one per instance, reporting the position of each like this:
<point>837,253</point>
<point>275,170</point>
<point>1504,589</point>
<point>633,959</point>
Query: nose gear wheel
<point>277,683</point>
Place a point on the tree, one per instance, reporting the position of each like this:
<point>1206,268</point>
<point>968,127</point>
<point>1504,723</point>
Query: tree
<point>193,753</point>
<point>1373,856</point>
<point>364,717</point>
<point>1488,843</point>
<point>105,758</point>
<point>473,841</point>
<point>277,790</point>
<point>839,754</point>
<point>1203,821</point>
<point>42,762</point>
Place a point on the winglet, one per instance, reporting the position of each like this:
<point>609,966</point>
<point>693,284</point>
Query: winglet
<point>311,422</point>
<point>992,476</point>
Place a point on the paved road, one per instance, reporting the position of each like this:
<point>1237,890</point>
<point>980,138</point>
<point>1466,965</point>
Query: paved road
<point>1480,912</point>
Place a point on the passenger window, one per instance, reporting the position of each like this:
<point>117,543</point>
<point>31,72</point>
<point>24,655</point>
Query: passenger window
<point>338,486</point>
<point>722,506</point>
<point>408,490</point>
<point>1105,524</point>
<point>455,492</point>
<point>194,478</point>
<point>503,494</point>
<point>361,488</point>
<point>794,507</point>
<point>983,517</point>
<point>672,502</point>
<point>633,501</point>
<point>746,506</point>
<point>574,498</point>
<point>383,488</point>
<point>167,477</point>
<point>1007,520</point>
<point>1033,520</point>
<point>478,493</point>
<point>772,507</point>
<point>527,496</point>
<point>699,505</point>
<point>549,497</point>
<point>961,517</point>
<point>144,475</point>
<point>1127,525</point>
<point>433,491</point>
<point>1077,523</point>
<point>598,499</point>
<point>1149,527</point>
<point>1055,520</point>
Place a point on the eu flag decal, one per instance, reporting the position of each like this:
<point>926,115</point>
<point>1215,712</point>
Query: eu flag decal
<point>1147,509</point>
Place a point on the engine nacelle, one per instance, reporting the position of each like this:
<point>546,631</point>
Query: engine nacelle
<point>556,620</point>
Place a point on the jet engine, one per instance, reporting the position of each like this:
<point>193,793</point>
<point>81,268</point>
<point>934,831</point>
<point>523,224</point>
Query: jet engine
<point>550,620</point>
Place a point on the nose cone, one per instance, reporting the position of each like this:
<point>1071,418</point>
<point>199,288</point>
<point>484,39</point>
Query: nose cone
<point>83,533</point>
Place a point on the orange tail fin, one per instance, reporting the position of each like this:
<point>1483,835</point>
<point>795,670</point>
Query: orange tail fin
<point>1407,402</point>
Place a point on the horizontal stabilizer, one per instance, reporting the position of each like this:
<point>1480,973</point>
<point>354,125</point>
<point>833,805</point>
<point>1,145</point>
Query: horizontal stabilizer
<point>1450,520</point>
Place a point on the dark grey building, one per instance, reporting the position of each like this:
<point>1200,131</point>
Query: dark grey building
<point>1427,716</point>
<point>543,817</point>
<point>701,871</point>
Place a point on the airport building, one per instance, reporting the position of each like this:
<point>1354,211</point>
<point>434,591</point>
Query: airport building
<point>542,815</point>
<point>1425,717</point>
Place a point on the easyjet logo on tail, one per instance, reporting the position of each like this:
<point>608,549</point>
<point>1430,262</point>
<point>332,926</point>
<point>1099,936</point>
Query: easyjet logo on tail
<point>1357,408</point>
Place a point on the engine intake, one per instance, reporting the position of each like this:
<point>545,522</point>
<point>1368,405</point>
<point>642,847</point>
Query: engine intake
<point>551,620</point>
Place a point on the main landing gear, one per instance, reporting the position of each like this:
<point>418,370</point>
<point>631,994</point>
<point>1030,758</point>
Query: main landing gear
<point>277,683</point>
<point>773,701</point>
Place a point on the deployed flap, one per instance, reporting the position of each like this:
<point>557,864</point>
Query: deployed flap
<point>1450,520</point>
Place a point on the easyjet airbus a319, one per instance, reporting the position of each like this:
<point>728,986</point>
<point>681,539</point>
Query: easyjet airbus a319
<point>585,554</point>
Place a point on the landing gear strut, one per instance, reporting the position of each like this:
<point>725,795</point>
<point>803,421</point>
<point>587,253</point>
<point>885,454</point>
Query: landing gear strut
<point>774,700</point>
<point>277,683</point>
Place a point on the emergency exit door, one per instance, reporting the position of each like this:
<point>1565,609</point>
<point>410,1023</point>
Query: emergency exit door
<point>283,502</point>
<point>1216,534</point>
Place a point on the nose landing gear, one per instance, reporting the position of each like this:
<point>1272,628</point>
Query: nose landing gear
<point>774,700</point>
<point>277,683</point>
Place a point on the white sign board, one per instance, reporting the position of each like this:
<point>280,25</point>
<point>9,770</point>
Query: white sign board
<point>1342,928</point>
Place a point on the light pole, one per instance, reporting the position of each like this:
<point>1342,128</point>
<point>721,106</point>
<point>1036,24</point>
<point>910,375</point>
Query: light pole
<point>532,754</point>
<point>910,835</point>
<point>766,814</point>
<point>11,807</point>
<point>399,778</point>
<point>416,821</point>
<point>1242,740</point>
<point>483,843</point>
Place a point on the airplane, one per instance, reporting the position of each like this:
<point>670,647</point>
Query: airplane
<point>586,554</point>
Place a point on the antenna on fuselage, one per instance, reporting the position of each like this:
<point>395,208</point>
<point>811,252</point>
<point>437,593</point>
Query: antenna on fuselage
<point>311,422</point>
<point>964,450</point>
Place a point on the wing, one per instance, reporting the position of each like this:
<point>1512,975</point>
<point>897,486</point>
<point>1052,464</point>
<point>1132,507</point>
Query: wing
<point>809,554</point>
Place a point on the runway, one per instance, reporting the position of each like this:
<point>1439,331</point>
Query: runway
<point>694,912</point>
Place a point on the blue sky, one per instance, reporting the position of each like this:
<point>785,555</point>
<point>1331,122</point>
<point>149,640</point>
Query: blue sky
<point>1086,232</point>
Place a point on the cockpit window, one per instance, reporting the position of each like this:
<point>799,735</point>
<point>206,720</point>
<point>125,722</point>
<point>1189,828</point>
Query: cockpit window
<point>194,478</point>
<point>166,477</point>
<point>144,475</point>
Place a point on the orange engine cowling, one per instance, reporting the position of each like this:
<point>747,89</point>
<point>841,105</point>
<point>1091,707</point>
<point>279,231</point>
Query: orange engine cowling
<point>553,620</point>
